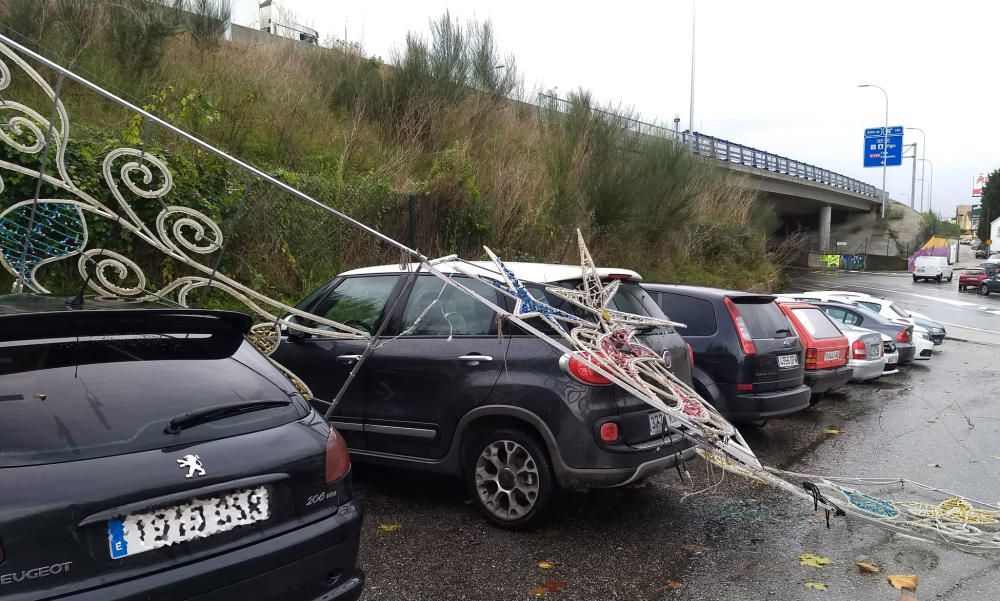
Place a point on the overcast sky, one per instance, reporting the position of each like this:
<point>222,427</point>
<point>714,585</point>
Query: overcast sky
<point>779,75</point>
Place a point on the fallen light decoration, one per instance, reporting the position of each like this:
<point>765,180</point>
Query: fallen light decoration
<point>39,231</point>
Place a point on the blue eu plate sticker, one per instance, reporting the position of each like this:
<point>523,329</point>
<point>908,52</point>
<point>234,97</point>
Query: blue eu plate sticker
<point>116,539</point>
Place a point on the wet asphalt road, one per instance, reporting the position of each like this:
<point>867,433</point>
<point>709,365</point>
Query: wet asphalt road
<point>738,540</point>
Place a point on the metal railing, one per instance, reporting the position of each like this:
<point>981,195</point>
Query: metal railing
<point>730,152</point>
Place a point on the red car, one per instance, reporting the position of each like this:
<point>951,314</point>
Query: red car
<point>971,277</point>
<point>826,347</point>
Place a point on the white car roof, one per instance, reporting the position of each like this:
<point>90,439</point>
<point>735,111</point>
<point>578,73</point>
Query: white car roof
<point>542,273</point>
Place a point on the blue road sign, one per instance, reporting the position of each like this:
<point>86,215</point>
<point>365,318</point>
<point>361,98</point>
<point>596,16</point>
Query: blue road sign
<point>877,145</point>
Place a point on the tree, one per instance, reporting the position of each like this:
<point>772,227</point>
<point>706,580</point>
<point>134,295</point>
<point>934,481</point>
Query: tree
<point>990,205</point>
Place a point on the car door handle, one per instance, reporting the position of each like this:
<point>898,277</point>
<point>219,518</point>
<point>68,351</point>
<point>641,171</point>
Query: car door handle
<point>348,358</point>
<point>475,359</point>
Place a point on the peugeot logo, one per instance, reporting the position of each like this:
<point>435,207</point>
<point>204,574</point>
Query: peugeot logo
<point>667,361</point>
<point>193,465</point>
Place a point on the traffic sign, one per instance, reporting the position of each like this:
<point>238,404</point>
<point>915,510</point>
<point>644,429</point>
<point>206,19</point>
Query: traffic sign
<point>989,242</point>
<point>878,144</point>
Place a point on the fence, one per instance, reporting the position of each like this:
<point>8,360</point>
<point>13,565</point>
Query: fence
<point>730,152</point>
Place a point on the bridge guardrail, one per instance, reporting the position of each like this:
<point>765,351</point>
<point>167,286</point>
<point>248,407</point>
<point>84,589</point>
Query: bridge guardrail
<point>731,152</point>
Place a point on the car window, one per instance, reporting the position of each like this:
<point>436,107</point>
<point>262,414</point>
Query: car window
<point>817,323</point>
<point>358,301</point>
<point>873,306</point>
<point>763,317</point>
<point>898,311</point>
<point>697,314</point>
<point>88,397</point>
<point>435,308</point>
<point>844,316</point>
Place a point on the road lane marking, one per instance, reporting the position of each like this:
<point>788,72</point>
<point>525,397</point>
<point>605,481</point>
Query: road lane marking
<point>964,304</point>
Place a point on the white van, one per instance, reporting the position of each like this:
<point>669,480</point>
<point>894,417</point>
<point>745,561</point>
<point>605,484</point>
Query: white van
<point>932,268</point>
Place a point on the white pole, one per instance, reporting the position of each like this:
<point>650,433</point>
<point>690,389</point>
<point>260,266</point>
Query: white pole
<point>691,94</point>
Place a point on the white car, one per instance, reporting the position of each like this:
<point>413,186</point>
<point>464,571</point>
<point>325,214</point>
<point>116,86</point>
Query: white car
<point>932,268</point>
<point>865,356</point>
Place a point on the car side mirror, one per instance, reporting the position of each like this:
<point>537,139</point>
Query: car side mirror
<point>294,334</point>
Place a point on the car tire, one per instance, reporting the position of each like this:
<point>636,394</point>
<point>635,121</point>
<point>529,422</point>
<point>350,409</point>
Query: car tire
<point>914,278</point>
<point>984,290</point>
<point>509,477</point>
<point>951,277</point>
<point>938,278</point>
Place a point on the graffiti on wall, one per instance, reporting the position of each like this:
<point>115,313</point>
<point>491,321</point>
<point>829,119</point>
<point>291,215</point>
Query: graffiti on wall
<point>851,262</point>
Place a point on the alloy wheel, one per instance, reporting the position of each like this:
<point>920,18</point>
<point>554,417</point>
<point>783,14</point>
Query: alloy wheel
<point>507,479</point>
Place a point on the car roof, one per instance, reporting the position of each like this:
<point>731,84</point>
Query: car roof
<point>703,291</point>
<point>541,273</point>
<point>30,316</point>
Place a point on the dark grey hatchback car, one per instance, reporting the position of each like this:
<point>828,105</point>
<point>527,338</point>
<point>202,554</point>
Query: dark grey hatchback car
<point>454,390</point>
<point>152,453</point>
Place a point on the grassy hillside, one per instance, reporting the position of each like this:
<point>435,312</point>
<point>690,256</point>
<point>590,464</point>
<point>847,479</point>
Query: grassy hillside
<point>435,121</point>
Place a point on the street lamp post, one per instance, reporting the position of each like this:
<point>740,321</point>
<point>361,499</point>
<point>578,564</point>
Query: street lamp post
<point>923,154</point>
<point>930,194</point>
<point>885,141</point>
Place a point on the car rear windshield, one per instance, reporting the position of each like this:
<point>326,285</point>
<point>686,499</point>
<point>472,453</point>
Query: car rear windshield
<point>763,317</point>
<point>976,271</point>
<point>630,298</point>
<point>817,323</point>
<point>80,398</point>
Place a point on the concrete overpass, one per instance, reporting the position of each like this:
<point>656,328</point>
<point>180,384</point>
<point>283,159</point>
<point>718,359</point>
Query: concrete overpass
<point>797,190</point>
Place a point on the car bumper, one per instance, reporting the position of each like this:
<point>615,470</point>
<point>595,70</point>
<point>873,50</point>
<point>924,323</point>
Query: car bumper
<point>650,458</point>
<point>825,380</point>
<point>924,349</point>
<point>316,562</point>
<point>765,405</point>
<point>866,369</point>
<point>906,353</point>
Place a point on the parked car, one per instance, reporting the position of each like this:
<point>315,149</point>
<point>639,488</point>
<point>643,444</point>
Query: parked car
<point>971,277</point>
<point>975,243</point>
<point>866,353</point>
<point>855,315</point>
<point>990,285</point>
<point>982,253</point>
<point>932,268</point>
<point>152,453</point>
<point>890,352</point>
<point>991,267</point>
<point>826,347</point>
<point>454,390</point>
<point>747,357</point>
<point>887,308</point>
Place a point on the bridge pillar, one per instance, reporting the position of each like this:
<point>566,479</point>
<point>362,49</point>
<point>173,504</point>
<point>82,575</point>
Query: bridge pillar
<point>824,228</point>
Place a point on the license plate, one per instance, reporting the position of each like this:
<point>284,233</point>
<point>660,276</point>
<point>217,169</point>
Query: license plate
<point>788,360</point>
<point>140,532</point>
<point>831,355</point>
<point>892,359</point>
<point>658,420</point>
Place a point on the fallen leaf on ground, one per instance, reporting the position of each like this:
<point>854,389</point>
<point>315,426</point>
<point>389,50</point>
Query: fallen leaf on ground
<point>815,561</point>
<point>868,568</point>
<point>995,456</point>
<point>905,596</point>
<point>545,565</point>
<point>932,421</point>
<point>554,586</point>
<point>933,465</point>
<point>389,527</point>
<point>674,585</point>
<point>544,532</point>
<point>693,548</point>
<point>908,582</point>
<point>816,586</point>
<point>832,431</point>
<point>538,591</point>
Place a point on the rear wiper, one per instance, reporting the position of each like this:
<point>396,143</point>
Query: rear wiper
<point>215,412</point>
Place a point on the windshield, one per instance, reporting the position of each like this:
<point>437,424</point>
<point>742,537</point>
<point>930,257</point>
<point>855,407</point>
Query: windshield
<point>71,399</point>
<point>630,298</point>
<point>817,323</point>
<point>763,317</point>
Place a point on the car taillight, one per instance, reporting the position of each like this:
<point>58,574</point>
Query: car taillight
<point>859,350</point>
<point>584,373</point>
<point>690,355</point>
<point>903,335</point>
<point>811,358</point>
<point>746,341</point>
<point>338,461</point>
<point>744,387</point>
<point>609,432</point>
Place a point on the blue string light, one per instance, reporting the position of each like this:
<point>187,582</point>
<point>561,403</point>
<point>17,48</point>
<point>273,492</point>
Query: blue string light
<point>58,231</point>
